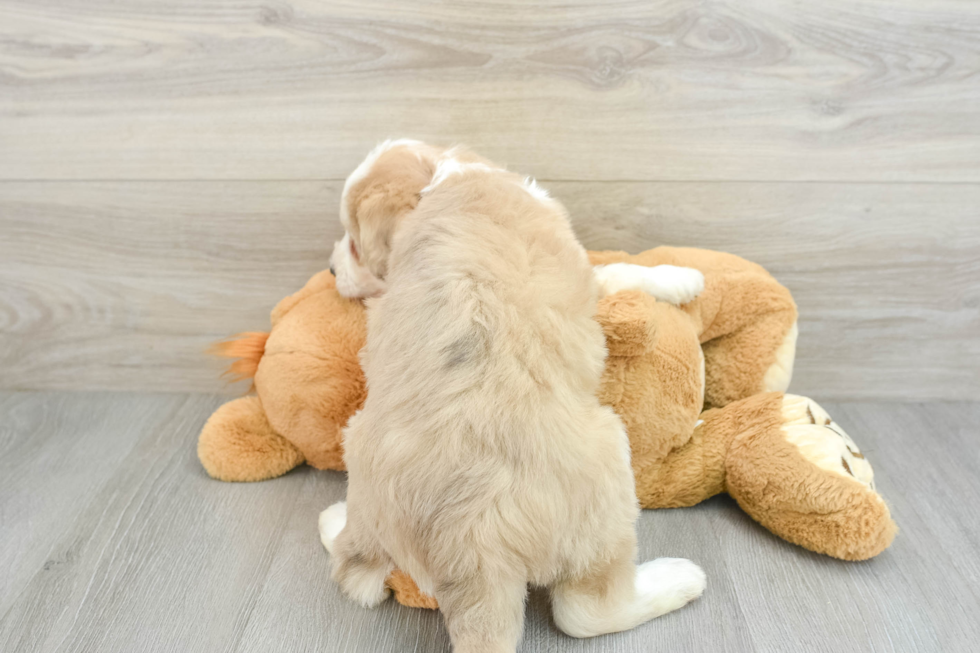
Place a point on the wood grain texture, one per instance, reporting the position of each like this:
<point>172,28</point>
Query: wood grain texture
<point>48,439</point>
<point>135,549</point>
<point>842,90</point>
<point>123,285</point>
<point>121,568</point>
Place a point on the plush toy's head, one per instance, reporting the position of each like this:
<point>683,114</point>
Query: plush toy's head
<point>310,379</point>
<point>308,382</point>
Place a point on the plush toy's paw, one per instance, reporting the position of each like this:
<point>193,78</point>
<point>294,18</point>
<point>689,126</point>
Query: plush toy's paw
<point>801,476</point>
<point>672,284</point>
<point>238,444</point>
<point>666,584</point>
<point>331,522</point>
<point>822,441</point>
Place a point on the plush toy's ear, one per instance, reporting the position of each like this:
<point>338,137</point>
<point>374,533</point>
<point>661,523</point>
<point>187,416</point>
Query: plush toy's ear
<point>629,321</point>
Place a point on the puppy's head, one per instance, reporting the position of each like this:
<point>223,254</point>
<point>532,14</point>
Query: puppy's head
<point>377,195</point>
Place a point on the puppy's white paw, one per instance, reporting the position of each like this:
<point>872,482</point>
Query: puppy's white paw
<point>673,284</point>
<point>331,522</point>
<point>617,277</point>
<point>666,584</point>
<point>365,584</point>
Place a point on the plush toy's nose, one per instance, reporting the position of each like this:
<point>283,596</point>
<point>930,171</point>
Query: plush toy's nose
<point>331,270</point>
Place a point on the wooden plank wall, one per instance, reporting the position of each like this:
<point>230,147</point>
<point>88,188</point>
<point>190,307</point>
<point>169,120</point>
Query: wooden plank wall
<point>170,168</point>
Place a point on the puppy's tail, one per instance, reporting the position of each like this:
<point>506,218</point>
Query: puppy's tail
<point>247,348</point>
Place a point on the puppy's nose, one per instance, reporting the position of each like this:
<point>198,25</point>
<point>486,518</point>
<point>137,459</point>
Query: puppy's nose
<point>331,270</point>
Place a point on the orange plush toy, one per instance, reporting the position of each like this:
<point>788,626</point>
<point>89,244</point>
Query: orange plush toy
<point>699,387</point>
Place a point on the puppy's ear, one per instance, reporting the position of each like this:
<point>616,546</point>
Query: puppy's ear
<point>385,196</point>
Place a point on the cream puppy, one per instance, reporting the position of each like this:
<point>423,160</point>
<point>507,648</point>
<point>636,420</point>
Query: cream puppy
<point>482,460</point>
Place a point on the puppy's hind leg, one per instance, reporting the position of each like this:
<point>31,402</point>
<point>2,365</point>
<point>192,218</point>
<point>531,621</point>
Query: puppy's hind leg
<point>618,595</point>
<point>484,611</point>
<point>360,565</point>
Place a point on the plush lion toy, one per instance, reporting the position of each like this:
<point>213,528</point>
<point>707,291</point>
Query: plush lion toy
<point>699,388</point>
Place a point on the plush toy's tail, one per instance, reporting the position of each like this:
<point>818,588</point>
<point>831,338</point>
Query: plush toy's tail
<point>247,347</point>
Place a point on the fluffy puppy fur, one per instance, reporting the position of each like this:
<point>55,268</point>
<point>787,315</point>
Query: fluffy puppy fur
<point>482,460</point>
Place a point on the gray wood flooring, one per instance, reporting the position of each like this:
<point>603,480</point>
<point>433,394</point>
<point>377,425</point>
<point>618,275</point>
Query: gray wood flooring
<point>113,539</point>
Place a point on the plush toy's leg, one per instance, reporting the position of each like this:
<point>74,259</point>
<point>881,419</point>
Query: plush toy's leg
<point>618,595</point>
<point>756,358</point>
<point>695,471</point>
<point>238,444</point>
<point>780,373</point>
<point>801,476</point>
<point>360,565</point>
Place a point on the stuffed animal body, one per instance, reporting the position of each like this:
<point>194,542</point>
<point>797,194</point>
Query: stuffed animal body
<point>699,387</point>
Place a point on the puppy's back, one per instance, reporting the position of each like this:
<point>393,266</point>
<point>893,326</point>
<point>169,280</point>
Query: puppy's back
<point>483,359</point>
